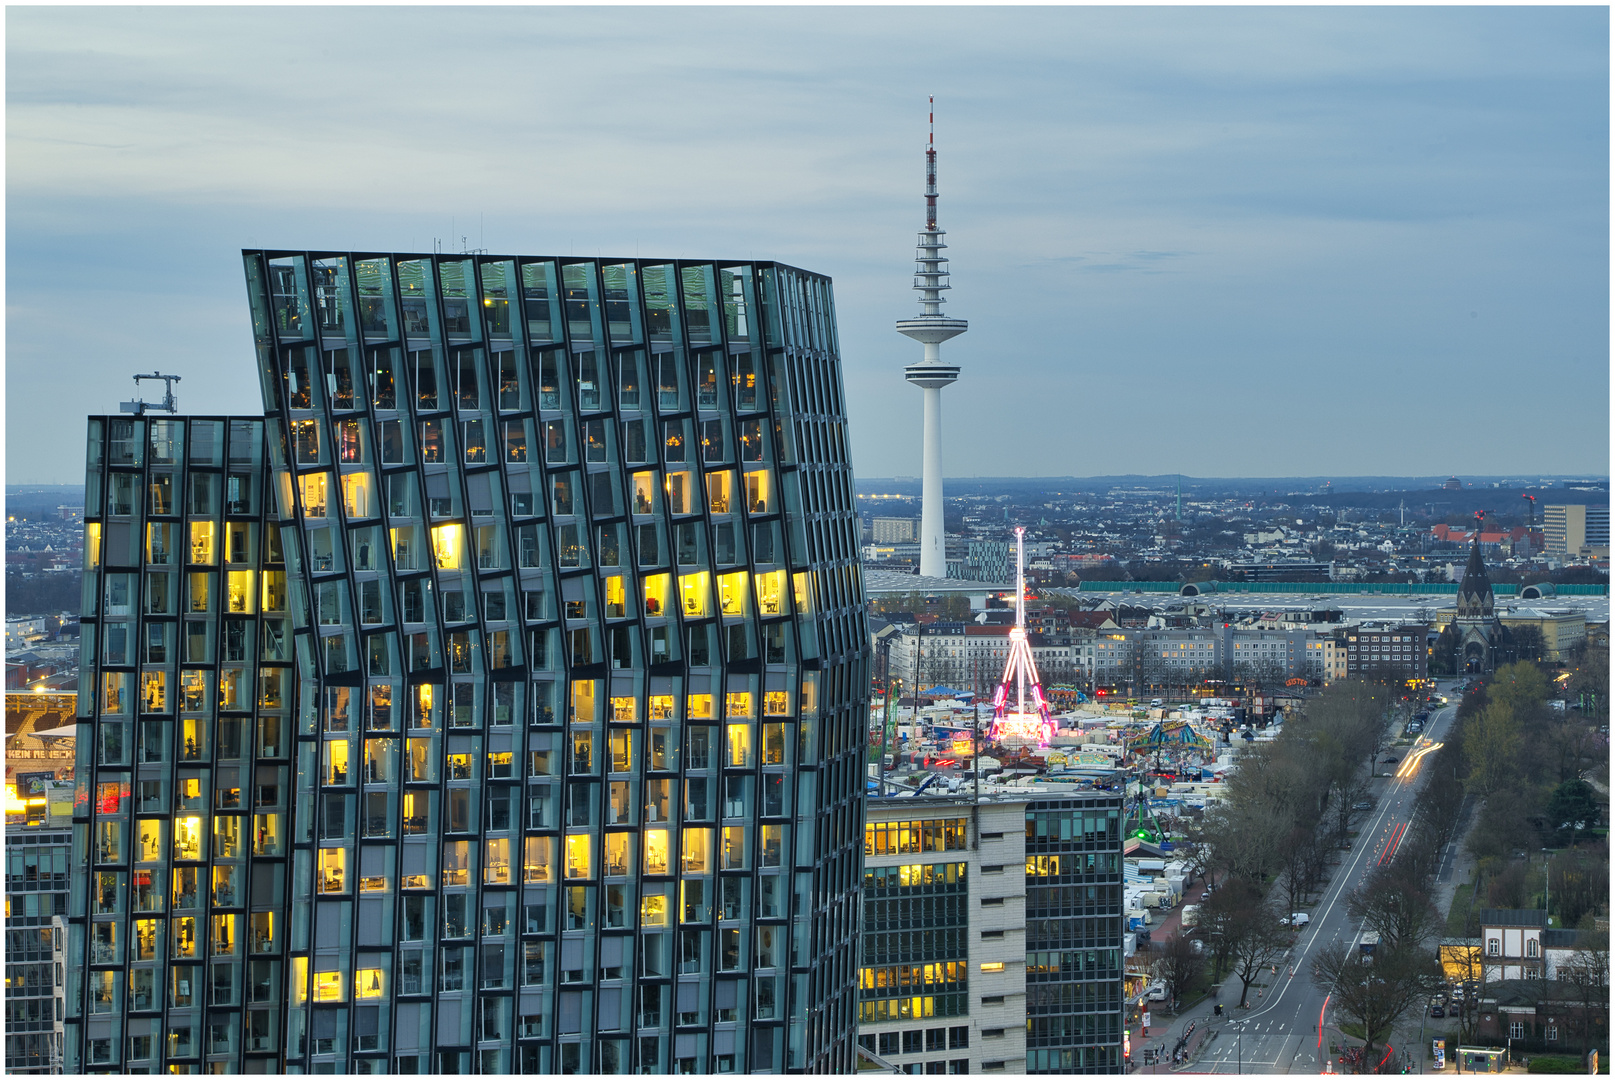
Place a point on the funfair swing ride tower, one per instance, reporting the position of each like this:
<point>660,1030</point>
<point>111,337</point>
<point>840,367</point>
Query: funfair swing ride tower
<point>1021,726</point>
<point>931,329</point>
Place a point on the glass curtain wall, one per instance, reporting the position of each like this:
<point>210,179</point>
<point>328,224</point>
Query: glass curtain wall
<point>578,705</point>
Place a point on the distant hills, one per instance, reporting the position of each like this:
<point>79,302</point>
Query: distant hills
<point>1571,488</point>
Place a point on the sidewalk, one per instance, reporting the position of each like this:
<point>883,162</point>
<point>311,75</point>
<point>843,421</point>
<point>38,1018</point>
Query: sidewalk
<point>1168,1029</point>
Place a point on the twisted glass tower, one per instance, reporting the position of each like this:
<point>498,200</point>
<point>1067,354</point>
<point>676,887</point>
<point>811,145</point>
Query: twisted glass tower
<point>576,654</point>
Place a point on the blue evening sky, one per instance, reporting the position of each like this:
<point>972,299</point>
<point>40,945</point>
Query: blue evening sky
<point>1215,241</point>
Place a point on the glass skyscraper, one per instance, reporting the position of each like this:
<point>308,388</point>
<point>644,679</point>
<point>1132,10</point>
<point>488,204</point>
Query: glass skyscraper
<point>559,561</point>
<point>182,799</point>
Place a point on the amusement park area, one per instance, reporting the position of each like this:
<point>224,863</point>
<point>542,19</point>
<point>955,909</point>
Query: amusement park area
<point>1036,740</point>
<point>1029,742</point>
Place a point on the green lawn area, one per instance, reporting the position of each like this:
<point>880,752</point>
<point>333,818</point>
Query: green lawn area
<point>1462,900</point>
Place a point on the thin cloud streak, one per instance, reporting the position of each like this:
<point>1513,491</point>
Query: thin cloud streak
<point>1239,215</point>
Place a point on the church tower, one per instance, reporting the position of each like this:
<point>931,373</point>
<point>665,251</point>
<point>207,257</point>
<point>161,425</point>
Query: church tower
<point>1480,634</point>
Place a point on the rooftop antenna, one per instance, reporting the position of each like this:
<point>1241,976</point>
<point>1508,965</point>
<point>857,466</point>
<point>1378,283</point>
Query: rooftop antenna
<point>139,406</point>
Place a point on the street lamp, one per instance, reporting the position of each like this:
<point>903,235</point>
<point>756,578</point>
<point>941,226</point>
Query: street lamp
<point>1547,899</point>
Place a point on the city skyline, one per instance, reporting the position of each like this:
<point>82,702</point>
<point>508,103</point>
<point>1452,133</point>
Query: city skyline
<point>1296,209</point>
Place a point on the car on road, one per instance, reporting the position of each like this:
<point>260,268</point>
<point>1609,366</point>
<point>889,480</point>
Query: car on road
<point>1365,805</point>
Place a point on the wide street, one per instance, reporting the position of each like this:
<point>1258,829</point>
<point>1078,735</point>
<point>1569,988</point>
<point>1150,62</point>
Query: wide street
<point>1279,1032</point>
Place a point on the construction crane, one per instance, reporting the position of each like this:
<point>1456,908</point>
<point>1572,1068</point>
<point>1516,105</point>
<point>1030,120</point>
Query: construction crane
<point>1530,515</point>
<point>169,403</point>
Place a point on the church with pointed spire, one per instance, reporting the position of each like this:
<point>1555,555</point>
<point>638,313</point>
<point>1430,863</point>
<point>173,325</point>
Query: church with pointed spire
<point>1481,637</point>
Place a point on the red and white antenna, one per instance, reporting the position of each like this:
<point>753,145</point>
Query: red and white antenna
<point>1024,725</point>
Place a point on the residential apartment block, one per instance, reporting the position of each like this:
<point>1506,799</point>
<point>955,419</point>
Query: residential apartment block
<point>1395,653</point>
<point>971,656</point>
<point>890,530</point>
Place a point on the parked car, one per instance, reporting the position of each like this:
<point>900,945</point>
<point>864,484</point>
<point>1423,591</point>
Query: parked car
<point>1390,761</point>
<point>1437,1012</point>
<point>1298,920</point>
<point>1364,805</point>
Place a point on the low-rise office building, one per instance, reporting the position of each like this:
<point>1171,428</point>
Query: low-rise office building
<point>943,976</point>
<point>1004,915</point>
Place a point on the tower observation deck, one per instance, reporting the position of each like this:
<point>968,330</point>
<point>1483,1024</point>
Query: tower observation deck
<point>931,328</point>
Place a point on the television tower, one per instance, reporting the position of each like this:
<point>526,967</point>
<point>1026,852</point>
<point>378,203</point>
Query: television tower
<point>931,329</point>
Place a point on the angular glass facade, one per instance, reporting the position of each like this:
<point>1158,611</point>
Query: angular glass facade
<point>576,707</point>
<point>182,801</point>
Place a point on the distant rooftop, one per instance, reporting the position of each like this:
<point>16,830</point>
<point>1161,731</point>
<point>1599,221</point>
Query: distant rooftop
<point>1513,917</point>
<point>890,581</point>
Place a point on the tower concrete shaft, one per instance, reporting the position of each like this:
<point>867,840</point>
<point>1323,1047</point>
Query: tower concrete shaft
<point>931,329</point>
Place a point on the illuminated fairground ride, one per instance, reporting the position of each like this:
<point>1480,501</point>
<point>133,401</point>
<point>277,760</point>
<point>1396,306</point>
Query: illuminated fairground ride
<point>1022,725</point>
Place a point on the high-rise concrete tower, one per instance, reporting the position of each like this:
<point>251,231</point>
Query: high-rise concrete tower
<point>931,329</point>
